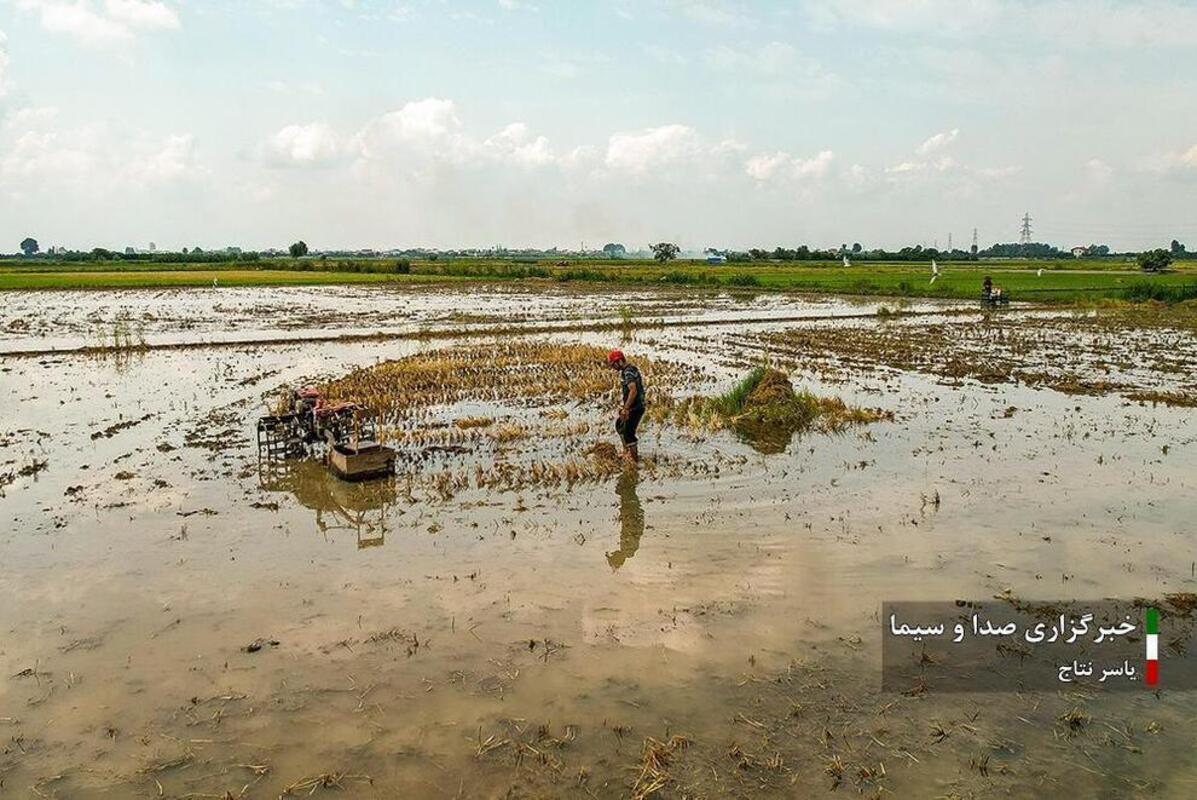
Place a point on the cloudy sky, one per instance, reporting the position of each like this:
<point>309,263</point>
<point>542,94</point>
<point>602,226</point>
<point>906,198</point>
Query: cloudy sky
<point>381,123</point>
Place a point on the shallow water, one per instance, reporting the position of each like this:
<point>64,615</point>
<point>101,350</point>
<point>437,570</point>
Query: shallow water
<point>527,642</point>
<point>73,319</point>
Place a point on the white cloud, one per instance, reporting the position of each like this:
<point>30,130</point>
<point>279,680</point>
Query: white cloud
<point>175,160</point>
<point>785,166</point>
<point>582,157</point>
<point>79,21</point>
<point>116,22</point>
<point>426,134</point>
<point>941,164</point>
<point>47,156</point>
<point>143,14</point>
<point>652,148</point>
<point>938,142</point>
<point>934,164</point>
<point>1170,163</point>
<point>858,175</point>
<point>930,156</point>
<point>415,137</point>
<point>316,144</point>
<point>515,143</point>
<point>420,122</point>
<point>411,140</point>
<point>41,153</point>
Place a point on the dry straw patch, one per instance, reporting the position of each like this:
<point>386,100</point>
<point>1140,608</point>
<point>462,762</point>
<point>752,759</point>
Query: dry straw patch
<point>529,373</point>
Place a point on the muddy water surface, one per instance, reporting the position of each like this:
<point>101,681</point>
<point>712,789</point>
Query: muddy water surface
<point>179,621</point>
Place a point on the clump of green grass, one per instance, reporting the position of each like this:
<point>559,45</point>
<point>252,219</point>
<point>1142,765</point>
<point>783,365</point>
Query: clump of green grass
<point>1144,290</point>
<point>764,409</point>
<point>731,402</point>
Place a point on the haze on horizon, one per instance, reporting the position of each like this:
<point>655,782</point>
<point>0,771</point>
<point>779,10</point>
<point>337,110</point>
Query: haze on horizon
<point>406,123</point>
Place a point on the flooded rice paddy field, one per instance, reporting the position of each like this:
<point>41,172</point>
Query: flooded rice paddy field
<point>513,617</point>
<point>75,319</point>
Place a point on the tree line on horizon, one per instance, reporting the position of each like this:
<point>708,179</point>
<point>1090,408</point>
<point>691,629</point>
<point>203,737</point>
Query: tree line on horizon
<point>662,251</point>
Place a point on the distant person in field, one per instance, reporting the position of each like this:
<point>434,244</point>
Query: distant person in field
<point>987,286</point>
<point>631,407</point>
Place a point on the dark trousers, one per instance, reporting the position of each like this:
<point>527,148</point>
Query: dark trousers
<point>627,426</point>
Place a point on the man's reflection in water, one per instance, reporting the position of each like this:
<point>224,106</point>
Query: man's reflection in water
<point>631,519</point>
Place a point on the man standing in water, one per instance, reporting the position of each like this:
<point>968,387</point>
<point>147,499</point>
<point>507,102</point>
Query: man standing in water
<point>632,408</point>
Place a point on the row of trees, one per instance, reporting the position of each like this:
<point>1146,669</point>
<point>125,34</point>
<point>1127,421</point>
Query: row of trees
<point>1149,261</point>
<point>667,251</point>
<point>186,256</point>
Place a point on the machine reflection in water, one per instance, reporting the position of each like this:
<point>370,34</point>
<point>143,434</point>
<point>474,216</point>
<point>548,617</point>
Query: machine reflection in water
<point>362,507</point>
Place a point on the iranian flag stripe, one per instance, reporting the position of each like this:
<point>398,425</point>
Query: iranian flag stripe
<point>1151,626</point>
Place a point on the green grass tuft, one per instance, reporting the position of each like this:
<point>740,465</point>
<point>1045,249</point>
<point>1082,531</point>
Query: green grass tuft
<point>731,402</point>
<point>1144,290</point>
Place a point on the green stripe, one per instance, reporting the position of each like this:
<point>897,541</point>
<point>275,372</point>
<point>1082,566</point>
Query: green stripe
<point>1152,621</point>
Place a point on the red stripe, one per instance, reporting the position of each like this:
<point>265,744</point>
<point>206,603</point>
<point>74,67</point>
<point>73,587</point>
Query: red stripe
<point>1153,673</point>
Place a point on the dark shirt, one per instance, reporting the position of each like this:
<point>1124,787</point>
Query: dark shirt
<point>630,375</point>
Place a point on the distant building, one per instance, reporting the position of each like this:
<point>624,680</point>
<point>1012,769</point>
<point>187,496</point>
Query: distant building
<point>715,258</point>
<point>1079,251</point>
<point>129,251</point>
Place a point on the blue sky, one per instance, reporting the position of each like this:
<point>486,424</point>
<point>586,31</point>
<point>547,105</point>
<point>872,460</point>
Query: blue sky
<point>380,123</point>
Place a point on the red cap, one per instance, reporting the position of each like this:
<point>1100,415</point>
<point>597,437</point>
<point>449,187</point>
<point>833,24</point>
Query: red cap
<point>614,355</point>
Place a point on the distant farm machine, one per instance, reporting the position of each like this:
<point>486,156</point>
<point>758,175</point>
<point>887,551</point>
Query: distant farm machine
<point>994,298</point>
<point>344,434</point>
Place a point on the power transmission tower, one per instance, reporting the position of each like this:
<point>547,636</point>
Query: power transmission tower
<point>1026,228</point>
<point>949,242</point>
<point>973,251</point>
